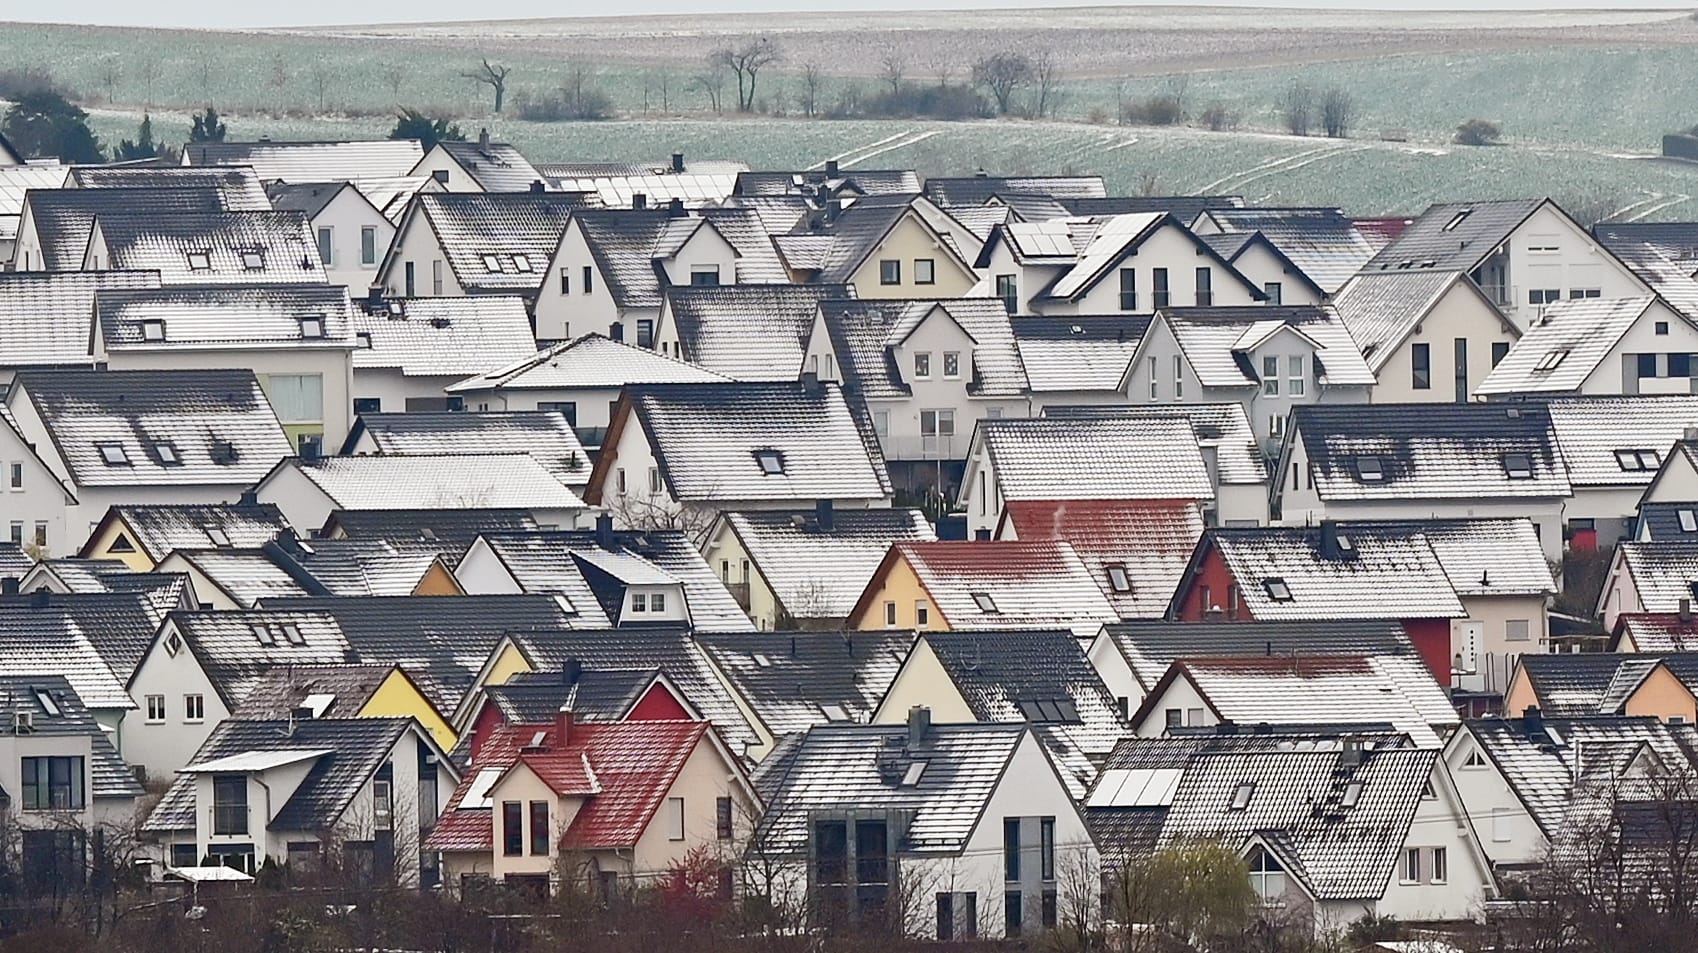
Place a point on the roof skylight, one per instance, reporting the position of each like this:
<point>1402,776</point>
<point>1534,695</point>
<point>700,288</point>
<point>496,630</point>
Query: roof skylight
<point>113,454</point>
<point>312,327</point>
<point>492,264</point>
<point>771,461</point>
<point>253,260</point>
<point>1370,470</point>
<point>166,453</point>
<point>1117,578</point>
<point>1518,466</point>
<point>984,601</point>
<point>153,329</point>
<point>1276,589</point>
<point>200,261</point>
<point>1241,796</point>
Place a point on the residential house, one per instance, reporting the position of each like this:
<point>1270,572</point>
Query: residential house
<point>49,316</point>
<point>157,593</point>
<point>479,166</point>
<point>308,491</point>
<point>90,639</point>
<point>238,187</point>
<point>1266,267</point>
<point>238,579</point>
<point>581,379</point>
<point>141,535</point>
<point>827,181</point>
<point>296,162</point>
<point>1320,248</point>
<point>1614,448</point>
<point>37,506</point>
<point>452,531</point>
<point>596,695</point>
<point>619,805</point>
<point>745,332</point>
<point>545,435</point>
<point>408,351</point>
<point>156,436</point>
<point>1137,550</point>
<point>979,809</point>
<point>699,183</point>
<point>54,224</point>
<point>1077,359</point>
<point>884,246</point>
<point>805,569</point>
<point>16,182</point>
<point>1654,632</point>
<point>1428,336</point>
<point>784,688</point>
<point>1648,577</point>
<point>1053,459</point>
<point>1270,360</point>
<point>927,370</point>
<point>292,791</point>
<point>678,454</point>
<point>296,338</point>
<point>1600,347</point>
<point>203,248</point>
<point>1407,461</point>
<point>982,189</point>
<point>231,579</point>
<point>457,244</point>
<point>1660,254</point>
<point>612,267</point>
<point>945,586</point>
<point>1523,253</point>
<point>349,232</point>
<point>347,690</point>
<point>1570,684</point>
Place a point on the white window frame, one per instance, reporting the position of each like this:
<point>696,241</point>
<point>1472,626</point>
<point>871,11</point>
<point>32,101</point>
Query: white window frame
<point>194,708</point>
<point>155,709</point>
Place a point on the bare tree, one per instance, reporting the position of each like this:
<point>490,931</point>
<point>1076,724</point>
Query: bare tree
<point>810,90</point>
<point>392,78</point>
<point>892,69</point>
<point>494,76</point>
<point>712,84</point>
<point>1046,71</point>
<point>1299,109</point>
<point>1338,109</point>
<point>1002,75</point>
<point>745,62</point>
<point>150,71</point>
<point>320,75</point>
<point>107,74</point>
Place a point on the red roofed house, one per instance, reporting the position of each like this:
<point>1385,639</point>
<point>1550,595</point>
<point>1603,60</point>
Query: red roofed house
<point>983,584</point>
<point>1136,550</point>
<point>592,694</point>
<point>615,804</point>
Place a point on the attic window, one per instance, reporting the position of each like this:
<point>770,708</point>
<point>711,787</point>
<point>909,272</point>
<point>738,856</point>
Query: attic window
<point>492,264</point>
<point>362,339</point>
<point>253,260</point>
<point>219,538</point>
<point>771,461</point>
<point>1689,521</point>
<point>1241,796</point>
<point>1638,460</point>
<point>47,703</point>
<point>1369,469</point>
<point>153,330</point>
<point>1057,711</point>
<point>1117,578</point>
<point>200,261</point>
<point>761,661</point>
<point>121,544</point>
<point>173,644</point>
<point>1457,219</point>
<point>264,634</point>
<point>984,602</point>
<point>1550,361</point>
<point>834,713</point>
<point>1518,466</point>
<point>1352,794</point>
<point>1276,588</point>
<point>113,454</point>
<point>166,453</point>
<point>911,777</point>
<point>292,633</point>
<point>522,263</point>
<point>312,327</point>
<point>1474,760</point>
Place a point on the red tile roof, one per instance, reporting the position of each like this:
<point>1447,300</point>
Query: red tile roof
<point>1152,539</point>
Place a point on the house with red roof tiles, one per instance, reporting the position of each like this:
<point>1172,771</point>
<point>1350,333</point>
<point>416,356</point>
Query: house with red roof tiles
<point>611,804</point>
<point>1135,550</point>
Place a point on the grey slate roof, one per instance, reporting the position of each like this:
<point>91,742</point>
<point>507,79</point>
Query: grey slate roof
<point>1430,451</point>
<point>818,573</point>
<point>46,318</point>
<point>1663,522</point>
<point>238,186</point>
<point>1381,308</point>
<point>451,530</point>
<point>1101,458</point>
<point>1323,242</point>
<point>1669,272</point>
<point>1454,236</point>
<point>1577,683</point>
<point>354,567</point>
<point>277,694</point>
<point>864,181</point>
<point>590,362</point>
<point>790,680</point>
<point>600,694</point>
<point>1077,353</point>
<point>14,562</point>
<point>308,198</point>
<point>356,748</point>
<point>496,166</point>
<point>629,245</point>
<point>1186,208</point>
<point>864,333</point>
<point>1225,428</point>
<point>247,575</point>
<point>197,412</point>
<point>438,481</point>
<point>1149,647</point>
<point>163,243</point>
<point>748,332</point>
<point>1663,573</point>
<point>297,162</point>
<point>978,189</point>
<point>59,635</point>
<point>1481,557</point>
<point>1036,676</point>
<point>158,529</point>
<point>442,337</point>
<point>225,317</point>
<point>855,232</point>
<point>705,437</point>
<point>1591,430</point>
<point>1216,342</point>
<point>1565,346</point>
<point>109,776</point>
<point>63,218</point>
<point>544,434</point>
<point>842,767</point>
<point>236,648</point>
<point>510,226</point>
<point>1006,584</point>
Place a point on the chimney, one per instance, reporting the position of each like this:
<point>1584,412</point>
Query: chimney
<point>675,208</point>
<point>1350,756</point>
<point>604,531</point>
<point>563,726</point>
<point>483,139</point>
<point>374,299</point>
<point>1686,610</point>
<point>249,497</point>
<point>919,725</point>
<point>40,599</point>
<point>538,187</point>
<point>1329,540</point>
<point>9,586</point>
<point>824,517</point>
<point>573,671</point>
<point>639,201</point>
<point>677,162</point>
<point>811,381</point>
<point>288,542</point>
<point>1532,722</point>
<point>831,168</point>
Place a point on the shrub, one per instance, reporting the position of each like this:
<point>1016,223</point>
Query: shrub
<point>1478,132</point>
<point>1162,109</point>
<point>19,81</point>
<point>588,104</point>
<point>930,102</point>
<point>1218,118</point>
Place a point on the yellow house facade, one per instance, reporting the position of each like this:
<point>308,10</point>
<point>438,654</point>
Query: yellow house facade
<point>896,599</point>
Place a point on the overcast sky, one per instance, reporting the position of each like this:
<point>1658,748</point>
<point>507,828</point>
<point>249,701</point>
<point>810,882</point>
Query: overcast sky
<point>223,13</point>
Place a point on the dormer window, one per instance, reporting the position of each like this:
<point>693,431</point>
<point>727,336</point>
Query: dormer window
<point>1370,470</point>
<point>1117,578</point>
<point>492,264</point>
<point>522,263</point>
<point>113,454</point>
<point>166,453</point>
<point>984,601</point>
<point>153,330</point>
<point>1276,589</point>
<point>639,602</point>
<point>312,327</point>
<point>200,261</point>
<point>771,461</point>
<point>1518,466</point>
<point>253,260</point>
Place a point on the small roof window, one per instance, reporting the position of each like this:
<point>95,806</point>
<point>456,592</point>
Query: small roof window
<point>492,264</point>
<point>1352,794</point>
<point>1550,361</point>
<point>1241,796</point>
<point>166,453</point>
<point>911,777</point>
<point>1518,466</point>
<point>1689,521</point>
<point>771,461</point>
<point>312,327</point>
<point>1117,578</point>
<point>253,260</point>
<point>362,339</point>
<point>1457,219</point>
<point>292,633</point>
<point>47,702</point>
<point>200,261</point>
<point>1276,589</point>
<point>1638,461</point>
<point>1370,470</point>
<point>113,454</point>
<point>219,538</point>
<point>264,634</point>
<point>834,713</point>
<point>522,263</point>
<point>984,601</point>
<point>153,329</point>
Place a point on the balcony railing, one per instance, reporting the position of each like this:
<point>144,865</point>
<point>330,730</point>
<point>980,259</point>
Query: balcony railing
<point>740,592</point>
<point>230,819</point>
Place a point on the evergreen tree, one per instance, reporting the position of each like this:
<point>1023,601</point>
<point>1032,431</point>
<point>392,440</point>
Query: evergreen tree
<point>142,148</point>
<point>46,124</point>
<point>412,124</point>
<point>207,127</point>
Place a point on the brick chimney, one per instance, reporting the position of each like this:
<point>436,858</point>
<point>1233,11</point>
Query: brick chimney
<point>563,720</point>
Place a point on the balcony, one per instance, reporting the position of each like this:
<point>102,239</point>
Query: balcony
<point>939,447</point>
<point>740,592</point>
<point>230,819</point>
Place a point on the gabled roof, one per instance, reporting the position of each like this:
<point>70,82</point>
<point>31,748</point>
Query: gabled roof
<point>518,229</point>
<point>219,423</point>
<point>442,337</point>
<point>55,710</point>
<point>451,531</point>
<point>1232,246</point>
<point>1293,573</point>
<point>236,648</point>
<point>978,189</point>
<point>1099,458</point>
<point>629,246</point>
<point>544,434</point>
<point>1186,208</point>
<point>1223,428</point>
<point>865,333</point>
<point>1663,573</point>
<point>707,440</point>
<point>839,766</point>
<point>748,332</point>
<point>1619,441</point>
<point>1110,242</point>
<point>1656,632</point>
<point>1566,344</point>
<point>1480,556</point>
<point>296,162</point>
<point>328,691</point>
<point>1382,308</point>
<point>225,317</point>
<point>354,567</point>
<point>816,572</point>
<point>601,694</point>
<point>862,227</point>
<point>496,166</point>
<point>17,181</point>
<point>308,198</point>
<point>95,640</point>
<point>47,318</point>
<point>173,245</point>
<point>1661,254</point>
<point>1002,584</point>
<point>1077,353</point>
<point>1430,451</point>
<point>63,217</point>
<point>1598,683</point>
<point>1150,647</point>
<point>437,481</point>
<point>1217,342</point>
<point>812,181</point>
<point>238,187</point>
<point>590,362</point>
<point>797,680</point>
<point>1137,550</point>
<point>1322,242</point>
<point>1667,522</point>
<point>1454,236</point>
